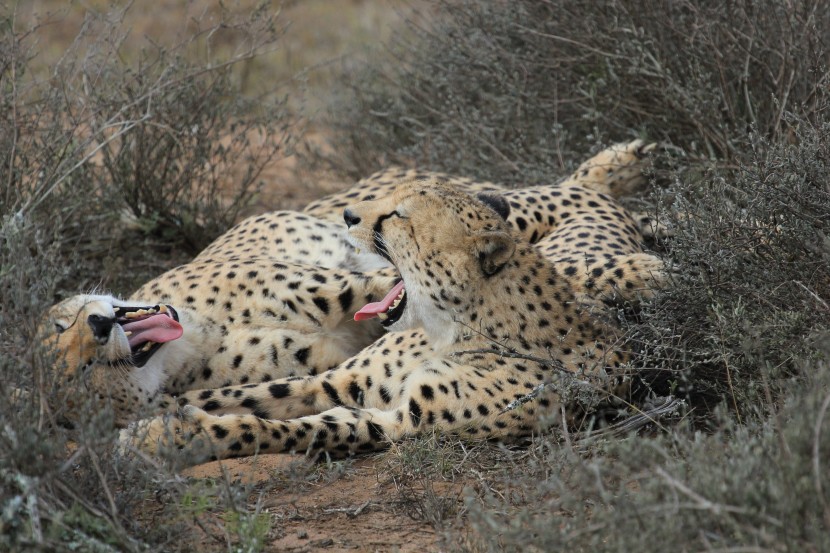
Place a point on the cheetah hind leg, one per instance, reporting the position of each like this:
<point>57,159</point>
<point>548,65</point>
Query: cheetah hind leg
<point>616,171</point>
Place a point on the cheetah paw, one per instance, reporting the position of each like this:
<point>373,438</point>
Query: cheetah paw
<point>168,435</point>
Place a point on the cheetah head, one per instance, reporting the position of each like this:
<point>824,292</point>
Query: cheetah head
<point>111,347</point>
<point>447,246</point>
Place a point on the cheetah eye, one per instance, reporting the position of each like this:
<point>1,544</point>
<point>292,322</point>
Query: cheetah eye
<point>59,328</point>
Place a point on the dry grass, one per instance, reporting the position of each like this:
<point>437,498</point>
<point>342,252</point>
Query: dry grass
<point>742,335</point>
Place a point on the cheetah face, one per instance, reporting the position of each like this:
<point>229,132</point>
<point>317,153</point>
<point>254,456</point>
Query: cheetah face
<point>110,351</point>
<point>446,247</point>
<point>89,329</point>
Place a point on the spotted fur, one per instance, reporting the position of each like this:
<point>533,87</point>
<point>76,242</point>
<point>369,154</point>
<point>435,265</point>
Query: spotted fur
<point>534,211</point>
<point>484,320</point>
<point>244,321</point>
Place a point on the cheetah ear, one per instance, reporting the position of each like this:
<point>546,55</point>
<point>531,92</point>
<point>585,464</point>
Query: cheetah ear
<point>494,249</point>
<point>496,202</point>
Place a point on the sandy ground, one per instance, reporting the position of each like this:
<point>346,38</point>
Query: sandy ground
<point>360,510</point>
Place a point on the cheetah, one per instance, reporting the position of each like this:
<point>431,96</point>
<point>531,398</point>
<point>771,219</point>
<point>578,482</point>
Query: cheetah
<point>616,171</point>
<point>271,243</point>
<point>585,201</point>
<point>208,324</point>
<point>479,320</point>
<point>292,237</point>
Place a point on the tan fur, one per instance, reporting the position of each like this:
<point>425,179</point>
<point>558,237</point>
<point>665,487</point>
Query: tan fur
<point>244,321</point>
<point>228,341</point>
<point>616,171</point>
<point>478,298</point>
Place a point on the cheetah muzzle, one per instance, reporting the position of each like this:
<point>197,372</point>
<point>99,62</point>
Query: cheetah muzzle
<point>146,330</point>
<point>389,310</point>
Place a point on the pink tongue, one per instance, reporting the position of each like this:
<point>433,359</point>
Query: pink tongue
<point>157,328</point>
<point>371,310</point>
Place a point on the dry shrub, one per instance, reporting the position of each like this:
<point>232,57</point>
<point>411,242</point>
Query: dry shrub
<point>518,91</point>
<point>99,137</point>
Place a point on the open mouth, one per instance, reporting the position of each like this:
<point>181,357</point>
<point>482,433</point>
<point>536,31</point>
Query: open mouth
<point>147,329</point>
<point>388,310</point>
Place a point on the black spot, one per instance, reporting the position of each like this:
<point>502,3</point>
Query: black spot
<point>415,413</point>
<point>290,443</point>
<point>219,431</point>
<point>322,304</point>
<point>427,392</point>
<point>250,403</point>
<point>384,394</point>
<point>237,361</point>
<point>206,373</point>
<point>346,298</point>
<point>248,438</point>
<point>279,391</point>
<point>302,355</point>
<point>332,393</point>
<point>356,393</point>
<point>375,431</point>
<point>211,405</point>
<point>206,394</point>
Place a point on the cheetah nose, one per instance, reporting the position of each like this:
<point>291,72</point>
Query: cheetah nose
<point>350,218</point>
<point>101,326</point>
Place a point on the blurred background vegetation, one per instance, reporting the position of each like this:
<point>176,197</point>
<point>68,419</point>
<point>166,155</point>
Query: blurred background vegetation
<point>133,134</point>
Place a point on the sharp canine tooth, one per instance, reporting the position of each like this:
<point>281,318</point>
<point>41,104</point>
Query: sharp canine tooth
<point>383,316</point>
<point>116,309</point>
<point>162,309</point>
<point>147,346</point>
<point>128,333</point>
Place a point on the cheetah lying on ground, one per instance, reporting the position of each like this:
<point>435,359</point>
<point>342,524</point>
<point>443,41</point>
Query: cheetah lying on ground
<point>616,171</point>
<point>479,320</point>
<point>241,312</point>
<point>210,324</point>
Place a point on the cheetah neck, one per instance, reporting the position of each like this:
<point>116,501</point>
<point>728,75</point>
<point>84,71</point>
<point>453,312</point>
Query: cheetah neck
<point>530,308</point>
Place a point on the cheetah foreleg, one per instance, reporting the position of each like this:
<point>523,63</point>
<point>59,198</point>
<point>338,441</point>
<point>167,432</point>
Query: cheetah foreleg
<point>199,436</point>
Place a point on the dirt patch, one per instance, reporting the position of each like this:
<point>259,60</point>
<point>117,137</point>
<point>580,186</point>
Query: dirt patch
<point>360,510</point>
